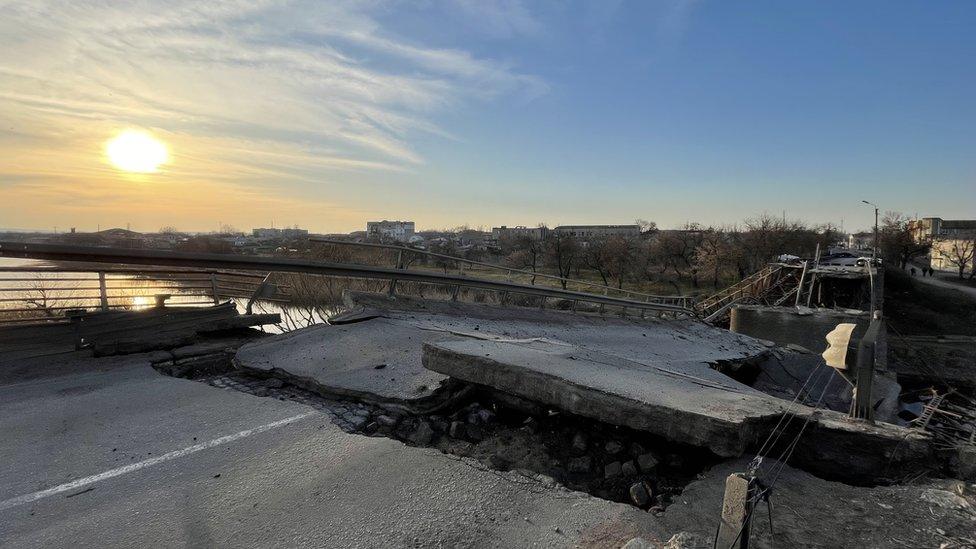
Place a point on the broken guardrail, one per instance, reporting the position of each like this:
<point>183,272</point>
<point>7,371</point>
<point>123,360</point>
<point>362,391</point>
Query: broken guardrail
<point>56,252</point>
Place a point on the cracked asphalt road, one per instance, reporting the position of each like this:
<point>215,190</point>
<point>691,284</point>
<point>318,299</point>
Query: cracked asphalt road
<point>123,456</point>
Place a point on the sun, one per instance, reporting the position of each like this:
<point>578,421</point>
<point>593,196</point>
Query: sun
<point>136,151</point>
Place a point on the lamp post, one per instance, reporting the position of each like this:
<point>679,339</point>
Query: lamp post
<point>874,251</point>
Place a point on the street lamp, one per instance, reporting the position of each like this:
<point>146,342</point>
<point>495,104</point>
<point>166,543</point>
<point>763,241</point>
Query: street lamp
<point>874,251</point>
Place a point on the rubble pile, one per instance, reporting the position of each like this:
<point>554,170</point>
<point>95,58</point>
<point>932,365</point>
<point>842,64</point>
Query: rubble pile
<point>606,461</point>
<point>610,462</point>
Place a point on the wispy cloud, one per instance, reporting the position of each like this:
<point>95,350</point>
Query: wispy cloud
<point>282,91</point>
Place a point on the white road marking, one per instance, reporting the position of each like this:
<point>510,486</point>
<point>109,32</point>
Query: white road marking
<point>75,484</point>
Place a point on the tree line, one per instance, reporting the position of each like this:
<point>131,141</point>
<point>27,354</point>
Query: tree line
<point>694,256</point>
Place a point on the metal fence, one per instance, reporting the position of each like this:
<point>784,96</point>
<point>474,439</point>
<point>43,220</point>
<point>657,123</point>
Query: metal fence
<point>257,267</point>
<point>403,253</point>
<point>29,293</point>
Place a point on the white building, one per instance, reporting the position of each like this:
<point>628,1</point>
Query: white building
<point>401,231</point>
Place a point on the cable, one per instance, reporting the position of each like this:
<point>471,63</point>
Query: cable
<point>787,416</point>
<point>763,493</point>
<point>788,453</point>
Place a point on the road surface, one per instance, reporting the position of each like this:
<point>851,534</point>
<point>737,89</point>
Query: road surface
<point>115,454</point>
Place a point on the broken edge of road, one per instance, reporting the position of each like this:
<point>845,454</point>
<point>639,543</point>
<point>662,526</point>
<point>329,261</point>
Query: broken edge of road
<point>727,423</point>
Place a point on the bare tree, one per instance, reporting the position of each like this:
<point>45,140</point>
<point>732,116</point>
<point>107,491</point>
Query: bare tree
<point>563,253</point>
<point>676,251</point>
<point>715,254</point>
<point>961,255</point>
<point>612,258</point>
<point>523,252</point>
<point>447,248</point>
<point>896,240</point>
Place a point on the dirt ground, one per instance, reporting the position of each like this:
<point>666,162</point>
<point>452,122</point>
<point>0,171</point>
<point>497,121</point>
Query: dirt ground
<point>811,512</point>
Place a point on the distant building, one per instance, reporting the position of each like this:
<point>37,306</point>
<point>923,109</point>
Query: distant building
<point>586,232</point>
<point>115,238</point>
<point>860,241</point>
<point>266,233</point>
<point>472,237</point>
<point>273,234</point>
<point>532,233</point>
<point>931,228</point>
<point>401,231</point>
<point>950,239</point>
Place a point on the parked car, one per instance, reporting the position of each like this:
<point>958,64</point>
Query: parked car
<point>846,259</point>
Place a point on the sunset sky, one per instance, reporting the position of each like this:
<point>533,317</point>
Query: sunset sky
<point>325,114</point>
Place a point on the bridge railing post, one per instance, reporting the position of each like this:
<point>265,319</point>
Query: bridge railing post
<point>398,266</point>
<point>214,290</point>
<point>102,291</point>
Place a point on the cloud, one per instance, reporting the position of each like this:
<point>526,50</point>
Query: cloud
<point>282,93</point>
<point>501,18</point>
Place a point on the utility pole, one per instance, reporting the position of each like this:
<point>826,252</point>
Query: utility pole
<point>874,251</point>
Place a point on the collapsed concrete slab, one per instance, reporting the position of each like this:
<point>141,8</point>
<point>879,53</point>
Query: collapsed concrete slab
<point>677,342</point>
<point>651,375</point>
<point>696,406</point>
<point>373,351</point>
<point>376,360</point>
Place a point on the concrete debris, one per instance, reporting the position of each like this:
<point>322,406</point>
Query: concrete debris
<point>716,413</point>
<point>474,433</point>
<point>640,495</point>
<point>638,543</point>
<point>481,416</point>
<point>628,469</point>
<point>687,540</point>
<point>647,462</point>
<point>580,465</point>
<point>579,443</point>
<point>945,499</point>
<point>424,434</point>
<point>613,448</point>
<point>275,383</point>
<point>703,408</point>
<point>612,469</point>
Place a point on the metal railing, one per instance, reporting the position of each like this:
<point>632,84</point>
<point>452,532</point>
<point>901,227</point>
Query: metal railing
<point>261,264</point>
<point>29,293</point>
<point>751,286</point>
<point>682,301</point>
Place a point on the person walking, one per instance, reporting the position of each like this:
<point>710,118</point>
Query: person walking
<point>913,272</point>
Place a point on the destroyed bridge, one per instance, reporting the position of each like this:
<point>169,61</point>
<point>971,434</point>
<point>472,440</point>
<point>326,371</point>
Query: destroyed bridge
<point>430,408</point>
